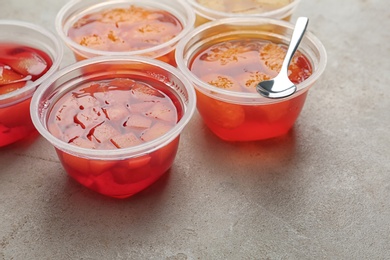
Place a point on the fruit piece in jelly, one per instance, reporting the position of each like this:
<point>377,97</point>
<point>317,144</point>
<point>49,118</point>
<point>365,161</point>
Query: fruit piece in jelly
<point>122,175</point>
<point>272,55</point>
<point>250,79</point>
<point>27,61</point>
<point>150,33</point>
<point>125,140</point>
<point>138,121</point>
<point>8,75</point>
<point>102,132</point>
<point>81,165</point>
<point>89,117</point>
<point>157,130</point>
<point>222,81</point>
<point>141,107</point>
<point>138,162</point>
<point>221,113</point>
<point>225,53</point>
<point>145,93</point>
<point>99,166</point>
<point>86,101</point>
<point>162,112</point>
<point>115,112</point>
<point>81,142</point>
<point>167,152</point>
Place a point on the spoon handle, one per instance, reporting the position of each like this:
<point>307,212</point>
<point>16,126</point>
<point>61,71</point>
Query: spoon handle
<point>297,35</point>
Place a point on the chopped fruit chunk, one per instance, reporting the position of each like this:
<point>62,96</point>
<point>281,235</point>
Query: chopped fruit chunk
<point>141,107</point>
<point>116,112</point>
<point>89,117</point>
<point>27,62</point>
<point>163,112</point>
<point>103,132</point>
<point>220,113</point>
<point>156,131</point>
<point>86,101</point>
<point>272,56</point>
<point>138,162</point>
<point>81,165</point>
<point>125,140</point>
<point>249,80</point>
<point>222,81</point>
<point>138,121</point>
<point>123,175</point>
<point>85,143</point>
<point>99,166</point>
<point>8,75</point>
<point>144,92</point>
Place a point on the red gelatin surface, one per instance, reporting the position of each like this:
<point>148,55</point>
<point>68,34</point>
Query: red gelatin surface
<point>126,29</point>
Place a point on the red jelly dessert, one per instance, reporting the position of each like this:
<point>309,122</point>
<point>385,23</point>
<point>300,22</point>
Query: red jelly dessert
<point>19,65</point>
<point>116,114</point>
<point>126,29</point>
<point>239,65</point>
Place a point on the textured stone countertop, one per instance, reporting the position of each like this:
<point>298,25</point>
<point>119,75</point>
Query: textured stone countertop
<point>320,192</point>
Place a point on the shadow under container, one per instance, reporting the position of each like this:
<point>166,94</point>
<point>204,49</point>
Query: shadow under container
<point>243,116</point>
<point>123,172</point>
<point>210,10</point>
<point>75,10</point>
<point>15,120</point>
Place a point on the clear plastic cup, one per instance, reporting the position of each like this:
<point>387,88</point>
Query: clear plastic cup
<point>118,173</point>
<point>15,121</point>
<point>74,10</point>
<point>209,10</point>
<point>238,115</point>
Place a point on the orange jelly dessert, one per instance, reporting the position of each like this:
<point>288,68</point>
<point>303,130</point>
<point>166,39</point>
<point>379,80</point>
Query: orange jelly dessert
<point>244,6</point>
<point>111,114</point>
<point>238,66</point>
<point>20,65</point>
<point>126,29</point>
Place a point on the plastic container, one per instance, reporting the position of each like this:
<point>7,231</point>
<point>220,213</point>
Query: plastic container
<point>120,172</point>
<point>15,121</point>
<point>74,10</point>
<point>242,116</point>
<point>218,9</point>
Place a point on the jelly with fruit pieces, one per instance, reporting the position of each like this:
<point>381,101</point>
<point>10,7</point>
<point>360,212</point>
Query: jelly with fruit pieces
<point>116,114</point>
<point>239,65</point>
<point>125,29</point>
<point>244,6</point>
<point>20,65</point>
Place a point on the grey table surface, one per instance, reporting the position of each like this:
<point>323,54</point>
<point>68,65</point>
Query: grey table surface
<point>320,192</point>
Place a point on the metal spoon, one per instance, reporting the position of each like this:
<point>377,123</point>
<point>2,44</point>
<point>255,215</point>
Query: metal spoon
<point>281,86</point>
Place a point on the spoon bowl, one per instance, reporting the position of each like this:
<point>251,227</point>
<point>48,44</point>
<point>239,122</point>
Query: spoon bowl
<point>281,86</point>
